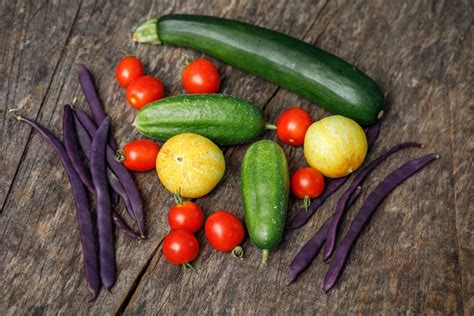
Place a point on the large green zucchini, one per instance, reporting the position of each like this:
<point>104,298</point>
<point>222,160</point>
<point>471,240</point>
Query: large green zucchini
<point>308,71</point>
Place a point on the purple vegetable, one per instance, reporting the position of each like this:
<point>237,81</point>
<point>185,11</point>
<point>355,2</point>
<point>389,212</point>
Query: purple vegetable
<point>372,133</point>
<point>358,181</point>
<point>136,205</point>
<point>84,218</point>
<point>85,143</point>
<point>92,97</point>
<point>72,148</point>
<point>311,249</point>
<point>304,215</point>
<point>374,199</point>
<point>108,269</point>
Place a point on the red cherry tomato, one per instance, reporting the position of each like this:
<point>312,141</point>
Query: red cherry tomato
<point>224,231</point>
<point>128,69</point>
<point>140,155</point>
<point>180,247</point>
<point>201,76</point>
<point>144,90</point>
<point>307,183</point>
<point>187,216</point>
<point>292,126</point>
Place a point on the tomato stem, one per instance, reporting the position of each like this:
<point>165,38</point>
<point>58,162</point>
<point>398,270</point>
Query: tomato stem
<point>270,126</point>
<point>188,267</point>
<point>186,60</point>
<point>119,156</point>
<point>238,252</point>
<point>306,202</point>
<point>178,199</point>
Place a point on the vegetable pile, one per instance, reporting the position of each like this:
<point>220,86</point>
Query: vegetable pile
<point>190,163</point>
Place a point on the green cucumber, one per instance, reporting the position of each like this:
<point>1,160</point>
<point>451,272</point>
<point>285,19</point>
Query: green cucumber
<point>264,183</point>
<point>224,119</point>
<point>308,71</point>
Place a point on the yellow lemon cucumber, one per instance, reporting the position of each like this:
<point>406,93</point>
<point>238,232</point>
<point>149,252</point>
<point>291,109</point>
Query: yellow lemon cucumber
<point>191,164</point>
<point>335,145</point>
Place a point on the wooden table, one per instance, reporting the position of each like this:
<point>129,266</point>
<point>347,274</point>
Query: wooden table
<point>415,257</point>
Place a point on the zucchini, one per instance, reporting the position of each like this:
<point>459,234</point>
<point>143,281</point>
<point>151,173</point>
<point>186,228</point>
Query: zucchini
<point>224,119</point>
<point>264,181</point>
<point>308,71</point>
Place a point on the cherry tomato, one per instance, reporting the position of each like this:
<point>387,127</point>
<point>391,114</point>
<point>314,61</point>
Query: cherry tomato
<point>144,90</point>
<point>292,126</point>
<point>187,216</point>
<point>180,247</point>
<point>128,69</point>
<point>307,183</point>
<point>224,231</point>
<point>140,155</point>
<point>201,76</point>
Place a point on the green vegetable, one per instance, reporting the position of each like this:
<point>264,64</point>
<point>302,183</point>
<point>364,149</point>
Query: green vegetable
<point>224,119</point>
<point>264,181</point>
<point>308,71</point>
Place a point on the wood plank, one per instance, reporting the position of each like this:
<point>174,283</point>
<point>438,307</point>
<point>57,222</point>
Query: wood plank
<point>391,268</point>
<point>418,52</point>
<point>39,210</point>
<point>26,72</point>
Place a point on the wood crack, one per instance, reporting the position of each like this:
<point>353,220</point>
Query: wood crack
<point>136,283</point>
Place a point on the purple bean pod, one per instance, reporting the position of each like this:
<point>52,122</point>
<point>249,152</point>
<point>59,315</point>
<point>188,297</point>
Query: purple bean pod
<point>85,143</point>
<point>108,271</point>
<point>374,199</point>
<point>310,250</point>
<point>136,204</point>
<point>72,148</point>
<point>357,182</point>
<point>372,133</point>
<point>92,97</point>
<point>84,218</point>
<point>303,216</point>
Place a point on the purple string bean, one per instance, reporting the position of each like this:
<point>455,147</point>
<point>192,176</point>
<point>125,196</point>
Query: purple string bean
<point>92,97</point>
<point>374,199</point>
<point>108,269</point>
<point>357,182</point>
<point>84,218</point>
<point>311,249</point>
<point>85,143</point>
<point>136,204</point>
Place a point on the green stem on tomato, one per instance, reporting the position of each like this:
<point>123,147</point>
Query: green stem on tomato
<point>178,199</point>
<point>238,252</point>
<point>119,155</point>
<point>270,126</point>
<point>306,202</point>
<point>188,267</point>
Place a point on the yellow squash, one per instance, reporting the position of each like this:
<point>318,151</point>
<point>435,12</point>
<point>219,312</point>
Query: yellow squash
<point>191,164</point>
<point>335,145</point>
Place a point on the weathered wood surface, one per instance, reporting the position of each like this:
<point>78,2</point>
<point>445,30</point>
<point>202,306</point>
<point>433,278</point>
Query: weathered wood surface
<point>415,257</point>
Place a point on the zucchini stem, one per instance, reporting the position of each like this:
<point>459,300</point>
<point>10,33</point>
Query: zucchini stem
<point>147,32</point>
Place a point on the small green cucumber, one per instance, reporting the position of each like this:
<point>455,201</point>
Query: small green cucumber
<point>224,119</point>
<point>264,181</point>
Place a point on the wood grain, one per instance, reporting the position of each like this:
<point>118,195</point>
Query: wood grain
<point>415,257</point>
